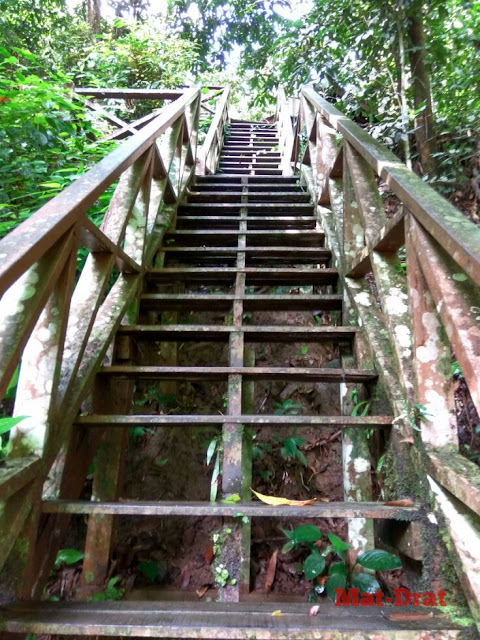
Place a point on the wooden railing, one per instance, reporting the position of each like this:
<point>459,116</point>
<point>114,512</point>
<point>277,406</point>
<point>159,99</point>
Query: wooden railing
<point>60,323</point>
<point>209,154</point>
<point>284,114</point>
<point>418,312</point>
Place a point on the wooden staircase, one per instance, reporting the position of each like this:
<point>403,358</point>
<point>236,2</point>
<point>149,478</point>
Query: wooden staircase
<point>239,235</point>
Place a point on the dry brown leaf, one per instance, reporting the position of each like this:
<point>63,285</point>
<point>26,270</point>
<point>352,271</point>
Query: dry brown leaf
<point>272,567</point>
<point>185,577</point>
<point>405,616</point>
<point>410,440</point>
<point>208,557</point>
<point>202,591</point>
<point>314,610</point>
<point>405,502</point>
<point>274,501</point>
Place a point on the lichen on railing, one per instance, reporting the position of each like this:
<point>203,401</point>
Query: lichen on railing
<point>413,317</point>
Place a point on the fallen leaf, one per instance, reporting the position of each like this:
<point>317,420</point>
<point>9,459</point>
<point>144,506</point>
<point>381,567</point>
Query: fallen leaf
<point>278,502</point>
<point>185,577</point>
<point>278,612</point>
<point>404,616</point>
<point>406,502</point>
<point>208,557</point>
<point>202,591</point>
<point>409,440</point>
<point>324,499</point>
<point>272,567</point>
<point>314,610</point>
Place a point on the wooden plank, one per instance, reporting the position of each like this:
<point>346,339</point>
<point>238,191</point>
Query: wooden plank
<point>251,302</point>
<point>457,474</point>
<point>254,275</point>
<point>458,304</point>
<point>181,332</point>
<point>251,373</point>
<point>340,422</point>
<point>432,358</point>
<point>24,302</point>
<point>463,538</point>
<point>131,94</point>
<point>251,509</point>
<point>456,233</point>
<point>15,512</point>
<point>37,387</point>
<point>15,473</point>
<point>232,621</point>
<point>103,330</point>
<point>222,622</point>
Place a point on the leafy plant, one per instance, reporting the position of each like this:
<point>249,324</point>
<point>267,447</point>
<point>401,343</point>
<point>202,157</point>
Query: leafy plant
<point>112,591</point>
<point>68,557</point>
<point>287,408</point>
<point>340,576</point>
<point>289,448</point>
<point>6,424</point>
<point>215,449</point>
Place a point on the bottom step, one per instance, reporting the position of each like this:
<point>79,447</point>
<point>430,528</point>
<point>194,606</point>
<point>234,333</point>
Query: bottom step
<point>225,621</point>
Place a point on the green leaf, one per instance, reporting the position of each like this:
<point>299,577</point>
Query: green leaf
<point>233,499</point>
<point>338,567</point>
<point>8,423</point>
<point>313,565</point>
<point>288,546</point>
<point>302,458</point>
<point>335,581</point>
<point>366,583</point>
<point>68,556</point>
<point>149,568</point>
<point>306,533</point>
<point>211,450</point>
<point>338,543</point>
<point>379,560</point>
<point>12,385</point>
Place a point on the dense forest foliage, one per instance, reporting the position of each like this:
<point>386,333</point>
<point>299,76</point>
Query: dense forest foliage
<point>406,69</point>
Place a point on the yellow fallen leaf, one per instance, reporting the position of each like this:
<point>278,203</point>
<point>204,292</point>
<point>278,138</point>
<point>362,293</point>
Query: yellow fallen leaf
<point>278,612</point>
<point>274,501</point>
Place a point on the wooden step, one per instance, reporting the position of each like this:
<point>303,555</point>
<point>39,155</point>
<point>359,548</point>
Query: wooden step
<point>221,333</point>
<point>264,276</point>
<point>257,172</point>
<point>251,188</point>
<point>277,254</point>
<point>261,420</point>
<point>257,509</point>
<point>266,196</point>
<point>222,178</point>
<point>253,222</point>
<point>285,374</point>
<point>223,621</point>
<point>227,208</point>
<point>254,302</point>
<point>209,237</point>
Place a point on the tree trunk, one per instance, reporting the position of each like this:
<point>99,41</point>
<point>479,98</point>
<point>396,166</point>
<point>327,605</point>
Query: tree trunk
<point>93,15</point>
<point>422,94</point>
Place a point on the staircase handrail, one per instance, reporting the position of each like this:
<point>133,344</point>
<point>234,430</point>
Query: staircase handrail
<point>209,153</point>
<point>419,309</point>
<point>60,323</point>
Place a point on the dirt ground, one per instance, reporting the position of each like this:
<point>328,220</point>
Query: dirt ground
<point>170,464</point>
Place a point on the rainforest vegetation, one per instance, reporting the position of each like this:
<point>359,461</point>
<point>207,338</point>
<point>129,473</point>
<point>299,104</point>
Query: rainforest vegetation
<point>408,70</point>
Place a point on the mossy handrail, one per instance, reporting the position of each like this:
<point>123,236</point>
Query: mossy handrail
<point>422,311</point>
